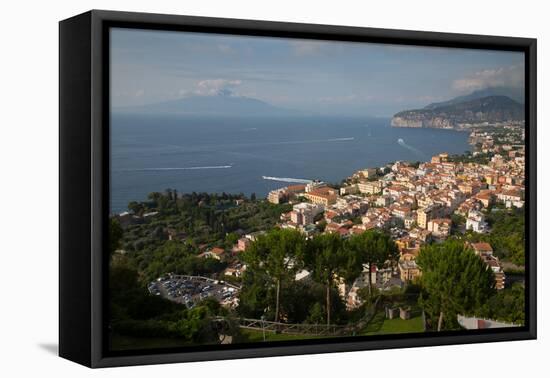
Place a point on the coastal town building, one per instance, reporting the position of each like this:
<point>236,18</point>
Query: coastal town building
<point>235,270</point>
<point>440,227</point>
<point>401,212</point>
<point>485,252</point>
<point>350,189</point>
<point>214,253</point>
<point>304,213</point>
<point>368,173</point>
<point>476,222</point>
<point>370,187</point>
<point>485,197</point>
<point>425,214</point>
<point>420,234</point>
<point>242,244</point>
<point>441,158</point>
<point>395,191</point>
<point>277,196</point>
<point>285,194</point>
<point>408,269</point>
<point>314,185</point>
<point>511,198</point>
<point>409,221</point>
<point>325,196</point>
<point>383,201</point>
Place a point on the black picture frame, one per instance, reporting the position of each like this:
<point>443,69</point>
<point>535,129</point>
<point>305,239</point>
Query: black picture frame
<point>84,184</point>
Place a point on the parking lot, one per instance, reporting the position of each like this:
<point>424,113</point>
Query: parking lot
<point>190,290</point>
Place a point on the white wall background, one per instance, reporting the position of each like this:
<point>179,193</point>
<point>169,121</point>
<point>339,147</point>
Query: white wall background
<point>29,186</point>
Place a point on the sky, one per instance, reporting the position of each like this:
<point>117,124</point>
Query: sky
<point>321,77</point>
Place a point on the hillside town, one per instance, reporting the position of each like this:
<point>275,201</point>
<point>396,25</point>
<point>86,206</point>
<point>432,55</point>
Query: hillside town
<point>213,252</point>
<point>415,203</point>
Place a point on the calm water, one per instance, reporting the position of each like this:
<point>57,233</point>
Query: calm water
<point>231,155</point>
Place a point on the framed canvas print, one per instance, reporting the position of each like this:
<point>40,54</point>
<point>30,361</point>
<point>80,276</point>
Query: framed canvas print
<point>233,188</point>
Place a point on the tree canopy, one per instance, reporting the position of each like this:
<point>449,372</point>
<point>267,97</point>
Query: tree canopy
<point>454,281</point>
<point>327,260</point>
<point>507,305</point>
<point>372,248</point>
<point>507,236</point>
<point>278,253</point>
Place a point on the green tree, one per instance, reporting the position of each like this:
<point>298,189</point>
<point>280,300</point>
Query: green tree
<point>321,225</point>
<point>328,260</point>
<point>454,281</point>
<point>508,305</point>
<point>372,248</point>
<point>254,294</point>
<point>154,196</point>
<point>279,254</point>
<point>315,314</point>
<point>231,239</point>
<point>507,236</point>
<point>136,207</point>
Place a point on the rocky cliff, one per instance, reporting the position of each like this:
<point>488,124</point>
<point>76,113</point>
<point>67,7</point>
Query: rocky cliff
<point>489,109</point>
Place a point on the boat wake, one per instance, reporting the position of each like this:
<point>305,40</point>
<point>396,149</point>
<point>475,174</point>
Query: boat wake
<point>416,151</point>
<point>346,139</point>
<point>287,179</point>
<point>340,139</point>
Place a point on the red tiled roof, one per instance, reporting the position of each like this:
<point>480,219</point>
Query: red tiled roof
<point>296,188</point>
<point>217,250</point>
<point>343,231</point>
<point>514,193</point>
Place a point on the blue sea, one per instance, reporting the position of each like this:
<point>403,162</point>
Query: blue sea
<point>233,155</point>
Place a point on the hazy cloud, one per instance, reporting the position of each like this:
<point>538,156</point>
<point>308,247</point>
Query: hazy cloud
<point>512,76</point>
<point>183,93</point>
<point>303,74</point>
<point>213,87</point>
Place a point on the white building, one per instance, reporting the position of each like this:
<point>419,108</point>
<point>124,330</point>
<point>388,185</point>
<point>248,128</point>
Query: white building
<point>304,213</point>
<point>476,222</point>
<point>314,185</point>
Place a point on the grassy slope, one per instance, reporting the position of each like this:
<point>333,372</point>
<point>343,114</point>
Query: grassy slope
<point>379,325</point>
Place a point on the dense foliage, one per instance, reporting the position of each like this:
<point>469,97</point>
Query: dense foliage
<point>168,232</point>
<point>179,258</point>
<point>193,220</point>
<point>478,158</point>
<point>373,249</point>
<point>327,259</point>
<point>274,259</point>
<point>507,236</point>
<point>133,312</point>
<point>277,254</point>
<point>507,305</point>
<point>454,281</point>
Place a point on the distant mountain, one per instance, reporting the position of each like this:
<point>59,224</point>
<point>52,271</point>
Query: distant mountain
<point>223,105</point>
<point>453,115</point>
<point>514,93</point>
